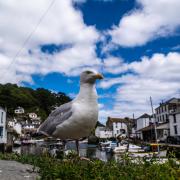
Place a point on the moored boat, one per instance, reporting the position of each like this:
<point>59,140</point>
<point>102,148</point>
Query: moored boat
<point>107,146</point>
<point>124,148</point>
<point>17,143</point>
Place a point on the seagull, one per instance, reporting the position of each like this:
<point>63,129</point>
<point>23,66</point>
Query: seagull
<point>75,119</point>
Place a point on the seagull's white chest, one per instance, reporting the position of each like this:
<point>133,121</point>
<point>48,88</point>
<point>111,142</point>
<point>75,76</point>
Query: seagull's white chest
<point>86,113</point>
<point>83,119</point>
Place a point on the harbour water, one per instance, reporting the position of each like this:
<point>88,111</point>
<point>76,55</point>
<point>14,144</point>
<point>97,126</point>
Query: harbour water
<point>90,151</point>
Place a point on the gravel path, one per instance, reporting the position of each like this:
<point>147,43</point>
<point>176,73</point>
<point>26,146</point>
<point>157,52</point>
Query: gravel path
<point>12,170</point>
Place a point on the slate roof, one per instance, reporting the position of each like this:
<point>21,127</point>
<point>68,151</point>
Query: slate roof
<point>145,115</point>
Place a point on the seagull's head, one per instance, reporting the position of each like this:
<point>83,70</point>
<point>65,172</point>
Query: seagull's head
<point>90,77</point>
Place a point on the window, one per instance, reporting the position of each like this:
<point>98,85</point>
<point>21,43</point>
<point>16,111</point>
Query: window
<point>1,132</point>
<point>157,112</point>
<point>116,125</point>
<point>175,129</point>
<point>167,117</point>
<point>174,118</point>
<point>123,131</point>
<point>163,117</point>
<point>1,117</point>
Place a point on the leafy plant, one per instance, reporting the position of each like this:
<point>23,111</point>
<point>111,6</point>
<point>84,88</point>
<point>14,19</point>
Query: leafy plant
<point>72,167</point>
<point>41,100</point>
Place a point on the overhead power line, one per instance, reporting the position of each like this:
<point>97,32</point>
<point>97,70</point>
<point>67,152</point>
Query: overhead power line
<point>28,38</point>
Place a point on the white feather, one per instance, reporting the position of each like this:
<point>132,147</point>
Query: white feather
<point>84,117</point>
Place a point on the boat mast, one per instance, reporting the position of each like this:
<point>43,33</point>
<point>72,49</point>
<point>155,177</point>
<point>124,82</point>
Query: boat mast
<point>155,128</point>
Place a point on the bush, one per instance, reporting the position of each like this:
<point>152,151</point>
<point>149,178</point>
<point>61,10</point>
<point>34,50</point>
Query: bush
<point>72,167</point>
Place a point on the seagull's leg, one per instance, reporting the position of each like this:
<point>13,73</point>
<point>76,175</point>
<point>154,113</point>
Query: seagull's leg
<point>81,158</point>
<point>64,146</point>
<point>77,147</point>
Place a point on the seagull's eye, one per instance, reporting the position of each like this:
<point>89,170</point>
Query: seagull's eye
<point>88,72</point>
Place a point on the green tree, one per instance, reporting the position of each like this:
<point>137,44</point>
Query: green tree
<point>41,100</point>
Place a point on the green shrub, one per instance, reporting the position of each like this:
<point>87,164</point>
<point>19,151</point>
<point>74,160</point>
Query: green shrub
<point>72,167</point>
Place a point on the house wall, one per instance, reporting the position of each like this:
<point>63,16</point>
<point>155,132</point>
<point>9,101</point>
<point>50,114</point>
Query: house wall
<point>105,134</point>
<point>102,133</point>
<point>162,113</point>
<point>172,124</point>
<point>164,110</point>
<point>3,130</point>
<point>97,132</point>
<point>33,115</point>
<point>18,128</point>
<point>117,127</point>
<point>19,110</point>
<point>142,122</point>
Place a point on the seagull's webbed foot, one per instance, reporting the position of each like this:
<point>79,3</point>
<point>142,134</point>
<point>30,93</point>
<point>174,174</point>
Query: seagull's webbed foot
<point>86,159</point>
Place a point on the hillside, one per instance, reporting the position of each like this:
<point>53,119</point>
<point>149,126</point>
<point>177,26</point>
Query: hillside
<point>41,100</point>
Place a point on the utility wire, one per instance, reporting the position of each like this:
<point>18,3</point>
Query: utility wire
<point>28,38</point>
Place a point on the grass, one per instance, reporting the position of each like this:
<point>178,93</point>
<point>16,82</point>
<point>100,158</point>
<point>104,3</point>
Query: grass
<point>72,167</point>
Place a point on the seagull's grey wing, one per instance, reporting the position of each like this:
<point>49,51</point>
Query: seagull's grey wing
<point>57,117</point>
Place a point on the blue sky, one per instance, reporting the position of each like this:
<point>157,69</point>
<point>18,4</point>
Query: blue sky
<point>134,43</point>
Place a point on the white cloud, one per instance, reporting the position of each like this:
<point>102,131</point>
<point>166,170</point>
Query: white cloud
<point>114,65</point>
<point>101,106</point>
<point>61,25</point>
<point>176,48</point>
<point>154,19</point>
<point>79,1</point>
<point>72,95</point>
<point>157,76</point>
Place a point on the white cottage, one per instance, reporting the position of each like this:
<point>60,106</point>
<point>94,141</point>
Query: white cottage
<point>19,110</point>
<point>103,132</point>
<point>15,125</point>
<point>3,130</point>
<point>144,126</point>
<point>119,126</point>
<point>33,115</point>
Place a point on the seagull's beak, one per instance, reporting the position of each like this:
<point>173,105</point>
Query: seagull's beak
<point>98,76</point>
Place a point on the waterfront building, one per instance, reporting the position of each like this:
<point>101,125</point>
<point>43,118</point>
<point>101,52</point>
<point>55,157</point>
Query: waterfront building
<point>103,132</point>
<point>30,126</point>
<point>119,126</point>
<point>174,123</point>
<point>145,127</point>
<point>165,108</point>
<point>166,112</point>
<point>3,129</point>
<point>15,125</point>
